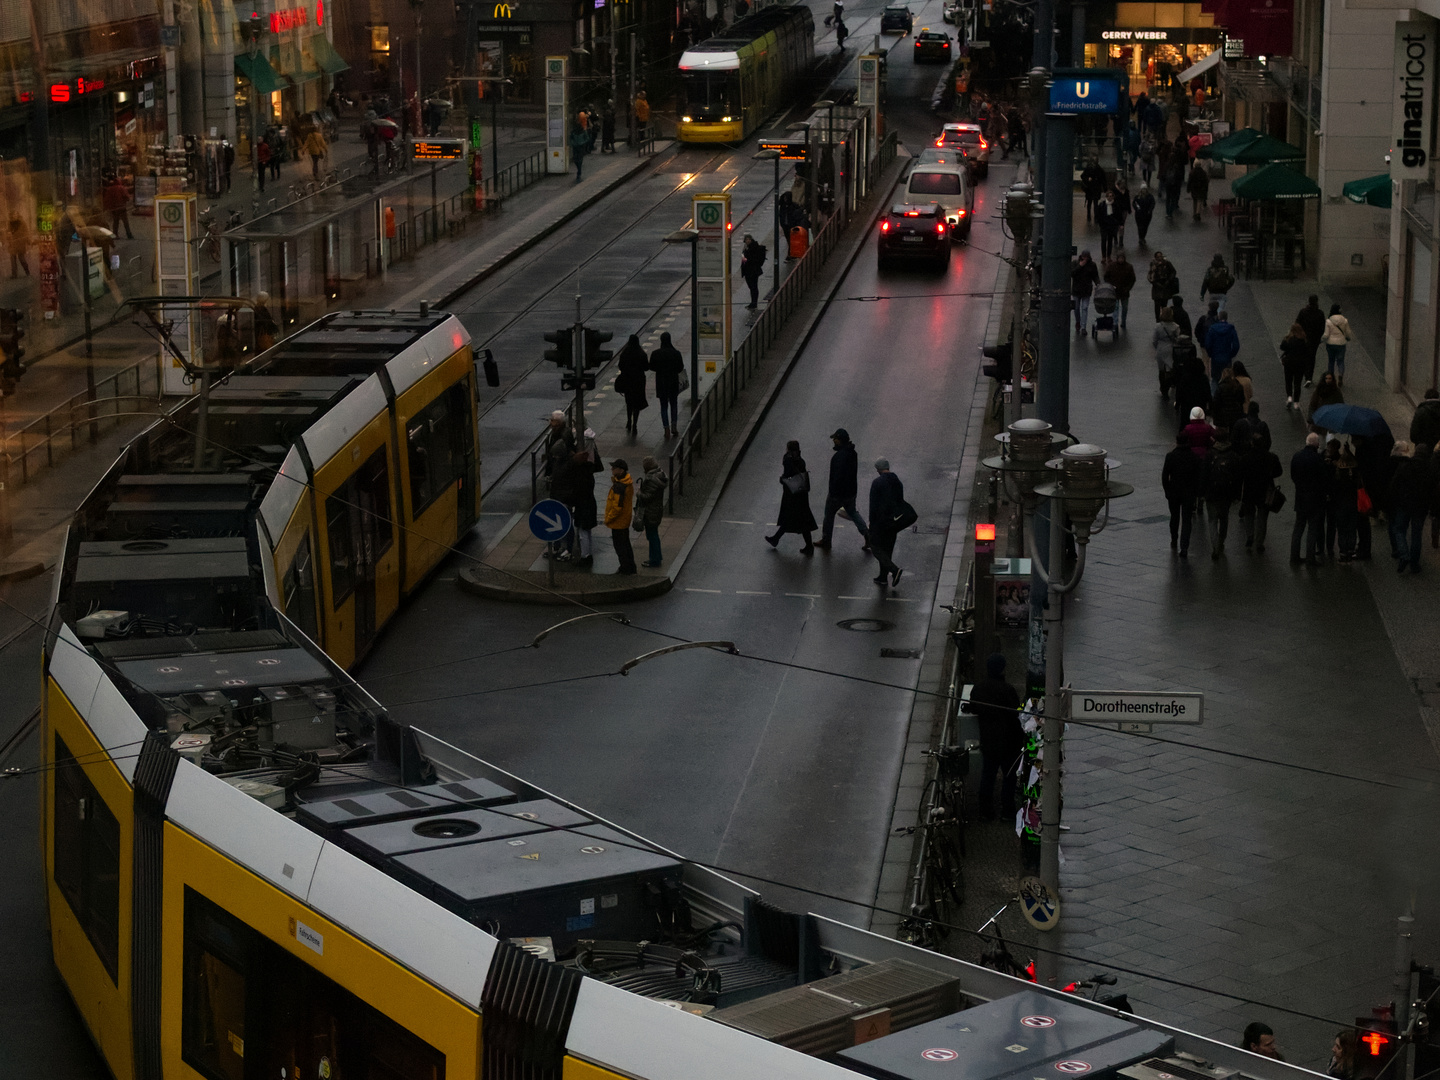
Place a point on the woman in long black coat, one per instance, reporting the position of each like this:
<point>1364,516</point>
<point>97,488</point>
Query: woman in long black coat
<point>795,515</point>
<point>632,364</point>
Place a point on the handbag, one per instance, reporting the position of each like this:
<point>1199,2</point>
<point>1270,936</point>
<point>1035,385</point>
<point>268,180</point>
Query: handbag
<point>684,380</point>
<point>796,483</point>
<point>1275,500</point>
<point>1363,504</point>
<point>905,516</point>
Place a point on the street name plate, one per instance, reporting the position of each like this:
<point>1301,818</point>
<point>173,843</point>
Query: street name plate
<point>1134,710</point>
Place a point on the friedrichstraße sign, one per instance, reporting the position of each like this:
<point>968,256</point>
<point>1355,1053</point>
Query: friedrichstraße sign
<point>1134,710</point>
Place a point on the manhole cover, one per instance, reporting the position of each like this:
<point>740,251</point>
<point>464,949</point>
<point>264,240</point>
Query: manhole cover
<point>864,626</point>
<point>900,654</point>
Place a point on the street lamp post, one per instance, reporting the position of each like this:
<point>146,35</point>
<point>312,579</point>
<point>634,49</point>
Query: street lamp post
<point>1079,494</point>
<point>252,28</point>
<point>774,155</point>
<point>690,236</point>
<point>417,5</point>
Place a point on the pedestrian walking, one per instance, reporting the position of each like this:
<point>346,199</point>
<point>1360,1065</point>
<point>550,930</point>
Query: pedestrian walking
<point>1222,342</point>
<point>752,266</point>
<point>227,161</point>
<point>574,485</point>
<point>1199,187</point>
<point>1084,276</point>
<point>619,509</point>
<point>1164,281</point>
<point>795,515</point>
<point>1327,392</point>
<point>18,241</point>
<point>1411,489</point>
<point>1192,385</point>
<point>669,368</point>
<point>1218,281</point>
<point>1336,336</point>
<point>1258,495</point>
<point>1144,211</point>
<point>1228,405</point>
<point>1180,315</point>
<point>996,706</point>
<point>631,366</point>
<point>1223,478</point>
<point>1200,433</point>
<point>1124,207</point>
<point>1307,473</point>
<point>1183,480</point>
<point>1147,161</point>
<point>1345,485</point>
<point>317,148</point>
<point>1107,216</point>
<point>1174,183</point>
<point>579,145</point>
<point>115,197</point>
<point>889,515</point>
<point>650,506</point>
<point>1312,319</point>
<point>1206,320</point>
<point>1120,275</point>
<point>1425,424</point>
<point>844,486</point>
<point>1162,340</point>
<point>262,160</point>
<point>607,128</point>
<point>1092,183</point>
<point>1295,355</point>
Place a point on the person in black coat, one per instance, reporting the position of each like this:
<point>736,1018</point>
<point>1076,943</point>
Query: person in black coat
<point>1183,480</point>
<point>1180,316</point>
<point>795,515</point>
<point>1409,501</point>
<point>997,705</point>
<point>1425,425</point>
<point>632,365</point>
<point>1144,210</point>
<point>887,499</point>
<point>574,485</point>
<point>844,486</point>
<point>1375,465</point>
<point>1192,387</point>
<point>1312,320</point>
<point>1259,467</point>
<point>668,365</point>
<point>1307,472</point>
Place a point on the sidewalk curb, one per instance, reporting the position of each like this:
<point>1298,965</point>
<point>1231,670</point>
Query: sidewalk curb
<point>469,579</point>
<point>506,258</point>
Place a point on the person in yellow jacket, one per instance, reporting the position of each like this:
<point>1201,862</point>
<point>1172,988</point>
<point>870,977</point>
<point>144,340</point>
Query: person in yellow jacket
<point>642,115</point>
<point>619,510</point>
<point>317,148</point>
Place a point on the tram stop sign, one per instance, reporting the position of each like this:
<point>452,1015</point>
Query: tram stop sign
<point>550,520</point>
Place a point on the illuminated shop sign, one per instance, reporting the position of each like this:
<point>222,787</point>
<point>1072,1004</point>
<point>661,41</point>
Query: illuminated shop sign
<point>63,92</point>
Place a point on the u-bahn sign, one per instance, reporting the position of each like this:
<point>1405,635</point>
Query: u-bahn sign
<point>1087,93</point>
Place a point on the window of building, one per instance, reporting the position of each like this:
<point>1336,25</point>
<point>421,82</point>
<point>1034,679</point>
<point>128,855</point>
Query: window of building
<point>247,998</point>
<point>87,857</point>
<point>439,441</point>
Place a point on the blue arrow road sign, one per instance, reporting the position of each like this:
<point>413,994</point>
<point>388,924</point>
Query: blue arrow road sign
<point>549,520</point>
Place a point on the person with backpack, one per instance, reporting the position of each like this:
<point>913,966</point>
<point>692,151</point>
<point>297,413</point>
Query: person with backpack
<point>1228,406</point>
<point>1218,281</point>
<point>1258,494</point>
<point>1164,281</point>
<point>752,266</point>
<point>1183,480</point>
<point>1222,487</point>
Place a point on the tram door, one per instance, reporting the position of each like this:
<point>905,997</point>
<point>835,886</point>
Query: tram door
<point>467,494</point>
<point>360,532</point>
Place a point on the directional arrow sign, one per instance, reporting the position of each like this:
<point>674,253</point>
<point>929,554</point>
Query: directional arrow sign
<point>549,520</point>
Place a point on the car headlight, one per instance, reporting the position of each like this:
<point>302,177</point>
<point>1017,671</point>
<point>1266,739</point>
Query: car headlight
<point>686,119</point>
<point>726,119</point>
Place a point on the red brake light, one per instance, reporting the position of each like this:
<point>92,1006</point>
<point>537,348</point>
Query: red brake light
<point>940,228</point>
<point>884,226</point>
<point>946,45</point>
<point>960,212</point>
<point>940,141</point>
<point>984,145</point>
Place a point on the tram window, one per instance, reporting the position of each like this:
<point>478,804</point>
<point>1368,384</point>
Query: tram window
<point>297,588</point>
<point>241,988</point>
<point>342,546</point>
<point>435,441</point>
<point>712,95</point>
<point>370,488</point>
<point>87,857</point>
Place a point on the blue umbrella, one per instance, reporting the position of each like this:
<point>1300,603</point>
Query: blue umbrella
<point>1351,420</point>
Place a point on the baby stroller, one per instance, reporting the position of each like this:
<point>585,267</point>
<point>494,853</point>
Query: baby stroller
<point>1105,301</point>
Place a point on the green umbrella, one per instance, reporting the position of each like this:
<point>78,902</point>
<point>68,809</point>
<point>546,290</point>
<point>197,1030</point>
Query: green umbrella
<point>1275,182</point>
<point>1262,151</point>
<point>1372,191</point>
<point>1234,141</point>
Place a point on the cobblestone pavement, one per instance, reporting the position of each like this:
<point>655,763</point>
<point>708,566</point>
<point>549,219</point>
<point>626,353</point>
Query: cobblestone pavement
<point>1267,853</point>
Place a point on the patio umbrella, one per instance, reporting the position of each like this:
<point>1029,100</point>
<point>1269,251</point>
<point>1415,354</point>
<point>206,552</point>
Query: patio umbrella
<point>1275,182</point>
<point>1351,420</point>
<point>1372,191</point>
<point>1234,141</point>
<point>1261,151</point>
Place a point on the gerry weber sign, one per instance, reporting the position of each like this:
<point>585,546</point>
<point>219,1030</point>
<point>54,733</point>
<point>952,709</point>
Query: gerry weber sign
<point>1413,136</point>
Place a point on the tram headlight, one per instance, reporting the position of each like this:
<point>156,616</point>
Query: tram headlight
<point>687,119</point>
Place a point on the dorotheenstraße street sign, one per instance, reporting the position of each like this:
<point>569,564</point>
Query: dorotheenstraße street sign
<point>1133,710</point>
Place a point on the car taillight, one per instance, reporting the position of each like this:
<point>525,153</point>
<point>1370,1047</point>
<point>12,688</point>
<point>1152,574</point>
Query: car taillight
<point>960,212</point>
<point>940,228</point>
<point>940,141</point>
<point>884,226</point>
<point>945,46</point>
<point>984,145</point>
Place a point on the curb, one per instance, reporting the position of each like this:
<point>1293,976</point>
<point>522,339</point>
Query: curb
<point>470,580</point>
<point>505,259</point>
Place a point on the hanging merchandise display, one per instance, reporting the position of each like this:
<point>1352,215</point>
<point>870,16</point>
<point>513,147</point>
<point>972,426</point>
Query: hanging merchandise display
<point>1027,815</point>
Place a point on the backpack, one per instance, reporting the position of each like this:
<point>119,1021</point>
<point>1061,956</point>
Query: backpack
<point>1223,482</point>
<point>1220,280</point>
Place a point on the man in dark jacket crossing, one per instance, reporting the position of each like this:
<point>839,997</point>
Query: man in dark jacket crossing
<point>887,500</point>
<point>1183,480</point>
<point>844,486</point>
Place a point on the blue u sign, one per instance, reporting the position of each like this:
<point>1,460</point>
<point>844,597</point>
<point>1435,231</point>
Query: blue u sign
<point>1085,95</point>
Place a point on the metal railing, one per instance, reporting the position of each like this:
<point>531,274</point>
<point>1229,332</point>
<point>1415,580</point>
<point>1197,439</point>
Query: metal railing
<point>515,177</point>
<point>37,445</point>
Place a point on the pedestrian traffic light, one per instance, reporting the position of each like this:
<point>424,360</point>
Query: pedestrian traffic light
<point>594,355</point>
<point>564,350</point>
<point>1379,1040</point>
<point>567,382</point>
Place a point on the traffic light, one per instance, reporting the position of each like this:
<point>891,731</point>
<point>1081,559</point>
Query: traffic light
<point>594,355</point>
<point>11,351</point>
<point>1379,1042</point>
<point>564,351</point>
<point>1001,355</point>
<point>567,382</point>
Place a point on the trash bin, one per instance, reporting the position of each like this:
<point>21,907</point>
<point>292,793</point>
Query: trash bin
<point>799,241</point>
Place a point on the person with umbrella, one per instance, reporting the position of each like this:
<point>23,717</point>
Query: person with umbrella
<point>1327,393</point>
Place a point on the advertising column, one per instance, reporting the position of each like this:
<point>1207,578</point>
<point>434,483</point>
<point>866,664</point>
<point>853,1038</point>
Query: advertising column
<point>867,96</point>
<point>557,117</point>
<point>175,224</point>
<point>712,279</point>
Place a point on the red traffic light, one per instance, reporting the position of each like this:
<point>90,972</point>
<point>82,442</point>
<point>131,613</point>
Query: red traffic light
<point>1375,1041</point>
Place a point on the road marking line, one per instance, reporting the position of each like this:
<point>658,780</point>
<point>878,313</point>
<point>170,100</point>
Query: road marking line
<point>715,591</point>
<point>728,522</point>
<point>854,598</point>
<point>804,595</point>
<point>747,592</point>
<point>901,599</point>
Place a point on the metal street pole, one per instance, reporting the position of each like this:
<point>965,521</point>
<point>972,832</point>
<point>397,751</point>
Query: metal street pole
<point>691,237</point>
<point>1053,399</point>
<point>577,353</point>
<point>419,86</point>
<point>630,110</point>
<point>774,155</point>
<point>1405,927</point>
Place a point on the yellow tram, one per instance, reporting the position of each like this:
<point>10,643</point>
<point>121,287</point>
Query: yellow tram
<point>733,81</point>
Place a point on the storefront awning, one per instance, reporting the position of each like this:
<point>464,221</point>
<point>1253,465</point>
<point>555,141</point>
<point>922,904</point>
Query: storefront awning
<point>287,59</point>
<point>1196,70</point>
<point>325,55</point>
<point>1372,191</point>
<point>258,70</point>
<point>1236,140</point>
<point>1275,182</point>
<point>1262,151</point>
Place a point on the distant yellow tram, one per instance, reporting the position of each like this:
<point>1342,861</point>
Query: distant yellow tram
<point>732,82</point>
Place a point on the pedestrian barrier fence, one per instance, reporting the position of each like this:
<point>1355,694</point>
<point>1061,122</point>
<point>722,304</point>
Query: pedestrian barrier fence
<point>38,444</point>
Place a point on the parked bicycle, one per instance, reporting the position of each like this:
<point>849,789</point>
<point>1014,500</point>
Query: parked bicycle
<point>939,882</point>
<point>211,230</point>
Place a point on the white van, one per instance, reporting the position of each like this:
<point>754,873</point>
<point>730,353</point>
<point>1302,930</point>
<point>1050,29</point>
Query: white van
<point>948,185</point>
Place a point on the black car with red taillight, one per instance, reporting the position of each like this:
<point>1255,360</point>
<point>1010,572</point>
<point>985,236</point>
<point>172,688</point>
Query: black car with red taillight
<point>913,231</point>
